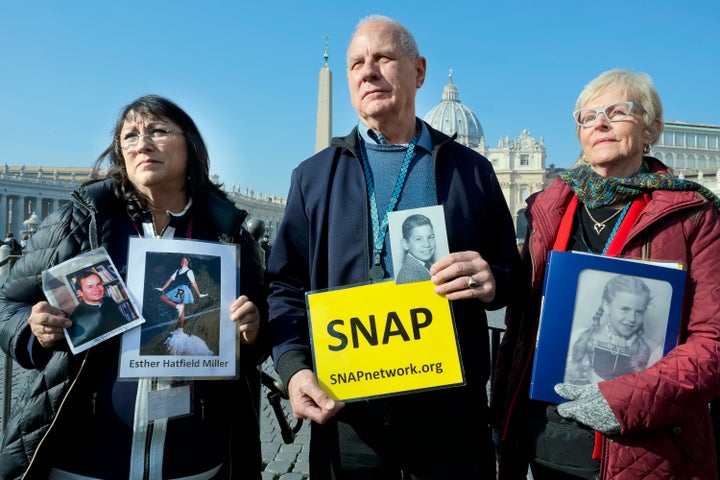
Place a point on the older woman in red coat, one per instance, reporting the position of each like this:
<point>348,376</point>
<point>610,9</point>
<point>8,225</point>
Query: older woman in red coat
<point>649,424</point>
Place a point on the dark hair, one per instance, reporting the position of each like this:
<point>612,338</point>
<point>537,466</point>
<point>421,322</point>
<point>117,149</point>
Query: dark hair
<point>188,259</point>
<point>413,221</point>
<point>85,274</point>
<point>198,162</point>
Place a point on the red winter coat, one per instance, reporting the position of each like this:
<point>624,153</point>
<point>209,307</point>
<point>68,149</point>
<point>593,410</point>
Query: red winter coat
<point>663,410</point>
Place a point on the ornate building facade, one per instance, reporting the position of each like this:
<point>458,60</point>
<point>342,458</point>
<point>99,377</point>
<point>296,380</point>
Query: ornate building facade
<point>519,163</point>
<point>692,150</point>
<point>29,194</point>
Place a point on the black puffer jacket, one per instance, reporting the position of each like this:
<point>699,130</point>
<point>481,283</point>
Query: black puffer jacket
<point>97,218</point>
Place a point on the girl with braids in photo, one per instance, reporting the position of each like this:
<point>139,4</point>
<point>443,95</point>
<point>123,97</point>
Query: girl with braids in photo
<point>615,343</point>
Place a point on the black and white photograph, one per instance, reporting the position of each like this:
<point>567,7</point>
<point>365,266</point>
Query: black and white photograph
<point>418,238</point>
<point>185,289</point>
<point>90,290</point>
<point>618,326</point>
<point>602,317</point>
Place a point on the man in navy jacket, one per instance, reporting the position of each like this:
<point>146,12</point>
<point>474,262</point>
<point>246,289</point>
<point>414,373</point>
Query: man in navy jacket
<point>331,236</point>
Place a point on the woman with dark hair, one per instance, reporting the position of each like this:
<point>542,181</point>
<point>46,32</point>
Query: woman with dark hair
<point>157,185</point>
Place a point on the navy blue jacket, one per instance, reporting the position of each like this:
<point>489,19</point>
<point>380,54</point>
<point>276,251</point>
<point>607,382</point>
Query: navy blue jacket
<point>325,241</point>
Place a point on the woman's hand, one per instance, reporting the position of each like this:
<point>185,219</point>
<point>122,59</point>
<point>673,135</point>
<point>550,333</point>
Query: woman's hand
<point>463,275</point>
<point>247,318</point>
<point>47,323</point>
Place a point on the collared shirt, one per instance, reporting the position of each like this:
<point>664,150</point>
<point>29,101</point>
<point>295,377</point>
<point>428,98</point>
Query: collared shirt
<point>370,135</point>
<point>419,188</point>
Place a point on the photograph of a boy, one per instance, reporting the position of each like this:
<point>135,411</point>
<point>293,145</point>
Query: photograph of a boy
<point>96,314</point>
<point>418,238</point>
<point>418,243</point>
<point>616,343</point>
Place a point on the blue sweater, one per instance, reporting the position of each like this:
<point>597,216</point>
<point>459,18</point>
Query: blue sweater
<point>324,241</point>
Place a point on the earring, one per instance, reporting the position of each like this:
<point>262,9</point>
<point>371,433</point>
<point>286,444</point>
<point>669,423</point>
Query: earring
<point>646,148</point>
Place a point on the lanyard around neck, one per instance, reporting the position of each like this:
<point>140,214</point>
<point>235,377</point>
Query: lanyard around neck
<point>379,229</point>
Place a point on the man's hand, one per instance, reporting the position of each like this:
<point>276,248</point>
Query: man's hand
<point>463,275</point>
<point>308,400</point>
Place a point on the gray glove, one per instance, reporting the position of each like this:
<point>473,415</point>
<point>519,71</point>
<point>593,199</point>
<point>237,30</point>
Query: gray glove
<point>587,406</point>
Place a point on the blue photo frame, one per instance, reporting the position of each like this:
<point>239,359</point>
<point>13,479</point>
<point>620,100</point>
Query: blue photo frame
<point>575,343</point>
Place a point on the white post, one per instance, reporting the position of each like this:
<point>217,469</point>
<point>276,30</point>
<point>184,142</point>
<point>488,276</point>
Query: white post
<point>4,261</point>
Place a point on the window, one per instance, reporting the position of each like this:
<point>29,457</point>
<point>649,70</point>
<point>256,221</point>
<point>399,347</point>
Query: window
<point>524,160</point>
<point>689,140</point>
<point>669,160</point>
<point>712,141</point>
<point>690,163</point>
<point>524,194</point>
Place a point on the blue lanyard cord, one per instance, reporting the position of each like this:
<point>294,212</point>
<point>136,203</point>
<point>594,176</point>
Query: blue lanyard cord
<point>615,228</point>
<point>379,229</point>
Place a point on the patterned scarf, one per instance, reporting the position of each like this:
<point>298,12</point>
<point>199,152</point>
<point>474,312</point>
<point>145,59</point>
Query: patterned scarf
<point>597,191</point>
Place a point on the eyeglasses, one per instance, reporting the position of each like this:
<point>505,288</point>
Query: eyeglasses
<point>158,136</point>
<point>587,117</point>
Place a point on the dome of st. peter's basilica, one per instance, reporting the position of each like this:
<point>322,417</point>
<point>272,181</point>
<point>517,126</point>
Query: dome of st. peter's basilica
<point>450,116</point>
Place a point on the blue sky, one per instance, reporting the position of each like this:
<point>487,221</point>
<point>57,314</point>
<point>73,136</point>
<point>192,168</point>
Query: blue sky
<point>247,72</point>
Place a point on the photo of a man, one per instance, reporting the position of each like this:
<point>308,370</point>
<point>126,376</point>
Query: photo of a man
<point>96,313</point>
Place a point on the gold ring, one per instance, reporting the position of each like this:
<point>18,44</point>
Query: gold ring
<point>471,282</point>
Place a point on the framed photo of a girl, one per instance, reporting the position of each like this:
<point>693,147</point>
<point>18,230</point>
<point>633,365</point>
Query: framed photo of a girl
<point>603,317</point>
<point>184,287</point>
<point>623,334</point>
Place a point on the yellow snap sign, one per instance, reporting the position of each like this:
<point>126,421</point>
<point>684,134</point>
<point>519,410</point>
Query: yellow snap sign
<point>383,339</point>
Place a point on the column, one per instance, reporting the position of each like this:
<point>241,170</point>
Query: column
<point>4,214</point>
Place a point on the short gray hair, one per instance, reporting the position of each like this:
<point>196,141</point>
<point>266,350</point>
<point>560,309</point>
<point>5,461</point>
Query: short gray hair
<point>409,45</point>
<point>636,86</point>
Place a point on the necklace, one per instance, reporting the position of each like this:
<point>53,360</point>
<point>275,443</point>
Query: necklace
<point>600,226</point>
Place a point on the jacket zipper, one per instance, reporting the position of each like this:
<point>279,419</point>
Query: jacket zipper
<point>57,414</point>
<point>148,439</point>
